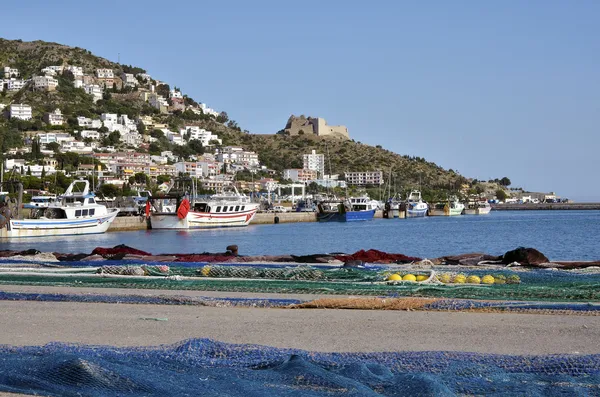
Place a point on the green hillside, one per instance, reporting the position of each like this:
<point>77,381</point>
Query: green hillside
<point>276,151</point>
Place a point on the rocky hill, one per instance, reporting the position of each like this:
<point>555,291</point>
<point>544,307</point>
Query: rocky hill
<point>277,151</point>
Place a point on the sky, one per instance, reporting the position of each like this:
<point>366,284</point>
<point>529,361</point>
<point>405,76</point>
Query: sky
<point>489,89</point>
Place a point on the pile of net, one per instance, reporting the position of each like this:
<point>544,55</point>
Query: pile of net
<point>203,367</point>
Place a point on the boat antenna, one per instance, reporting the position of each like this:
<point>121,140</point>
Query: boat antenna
<point>329,161</point>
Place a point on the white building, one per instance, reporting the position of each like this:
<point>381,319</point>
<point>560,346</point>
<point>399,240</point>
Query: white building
<point>200,134</point>
<point>58,137</point>
<point>10,72</point>
<point>314,162</point>
<point>129,80</point>
<point>20,111</point>
<point>76,70</point>
<point>94,90</point>
<point>88,123</point>
<point>76,147</point>
<point>144,76</point>
<point>300,175</point>
<point>14,84</point>
<point>109,118</point>
<point>10,164</point>
<point>237,155</point>
<point>175,94</point>
<point>49,72</point>
<point>207,110</point>
<point>54,118</point>
<point>90,134</point>
<point>37,170</point>
<point>159,159</point>
<point>44,83</point>
<point>105,74</point>
<point>364,178</point>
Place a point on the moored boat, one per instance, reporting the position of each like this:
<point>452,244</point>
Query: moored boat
<point>219,210</point>
<point>355,209</point>
<point>478,208</point>
<point>415,206</point>
<point>74,213</point>
<point>452,207</point>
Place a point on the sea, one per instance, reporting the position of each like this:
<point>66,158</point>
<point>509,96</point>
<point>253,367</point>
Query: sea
<point>560,235</point>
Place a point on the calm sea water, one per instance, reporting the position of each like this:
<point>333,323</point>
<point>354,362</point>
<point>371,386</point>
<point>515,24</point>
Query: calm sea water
<point>560,235</point>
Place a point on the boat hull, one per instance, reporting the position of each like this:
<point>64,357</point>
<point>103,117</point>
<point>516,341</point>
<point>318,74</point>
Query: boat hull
<point>20,228</point>
<point>416,213</point>
<point>350,216</point>
<point>168,221</point>
<point>202,220</point>
<point>478,211</point>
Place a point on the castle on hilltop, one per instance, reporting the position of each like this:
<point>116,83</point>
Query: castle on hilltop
<point>316,126</point>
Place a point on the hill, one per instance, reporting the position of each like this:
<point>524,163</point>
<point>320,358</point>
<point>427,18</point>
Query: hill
<point>277,151</point>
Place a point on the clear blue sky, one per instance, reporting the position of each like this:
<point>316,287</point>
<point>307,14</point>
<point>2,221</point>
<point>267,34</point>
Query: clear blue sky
<point>490,89</point>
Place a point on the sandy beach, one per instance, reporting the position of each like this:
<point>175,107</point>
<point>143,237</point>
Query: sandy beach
<point>37,323</point>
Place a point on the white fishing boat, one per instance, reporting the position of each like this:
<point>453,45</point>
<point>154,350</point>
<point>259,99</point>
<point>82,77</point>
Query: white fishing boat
<point>415,206</point>
<point>481,207</point>
<point>74,213</point>
<point>229,209</point>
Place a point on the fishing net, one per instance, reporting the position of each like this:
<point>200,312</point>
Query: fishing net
<point>202,367</point>
<point>449,281</point>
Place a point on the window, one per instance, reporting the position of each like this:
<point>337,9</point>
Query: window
<point>77,212</point>
<point>84,212</point>
<point>243,207</point>
<point>237,208</point>
<point>92,201</point>
<point>218,209</point>
<point>92,211</point>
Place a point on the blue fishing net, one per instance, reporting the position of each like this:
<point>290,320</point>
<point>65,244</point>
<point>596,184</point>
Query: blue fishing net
<point>202,367</point>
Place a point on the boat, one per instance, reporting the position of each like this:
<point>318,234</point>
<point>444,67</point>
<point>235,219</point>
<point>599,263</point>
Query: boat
<point>40,202</point>
<point>355,209</point>
<point>74,213</point>
<point>480,207</point>
<point>229,209</point>
<point>415,206</point>
<point>452,207</point>
<point>392,207</point>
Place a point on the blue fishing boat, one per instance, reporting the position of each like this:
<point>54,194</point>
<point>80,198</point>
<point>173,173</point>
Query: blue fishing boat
<point>356,209</point>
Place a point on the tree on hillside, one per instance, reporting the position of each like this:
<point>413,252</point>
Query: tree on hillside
<point>157,134</point>
<point>505,181</point>
<point>196,146</point>
<point>163,90</point>
<point>501,195</point>
<point>223,117</point>
<point>109,190</point>
<point>54,146</point>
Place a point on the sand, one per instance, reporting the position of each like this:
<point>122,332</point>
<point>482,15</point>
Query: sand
<point>36,323</point>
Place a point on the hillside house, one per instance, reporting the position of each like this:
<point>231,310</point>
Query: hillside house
<point>94,90</point>
<point>20,111</point>
<point>129,80</point>
<point>44,83</point>
<point>54,118</point>
<point>10,72</point>
<point>14,84</point>
<point>88,123</point>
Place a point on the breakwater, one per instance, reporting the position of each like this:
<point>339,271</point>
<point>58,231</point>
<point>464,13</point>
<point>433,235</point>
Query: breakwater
<point>546,206</point>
